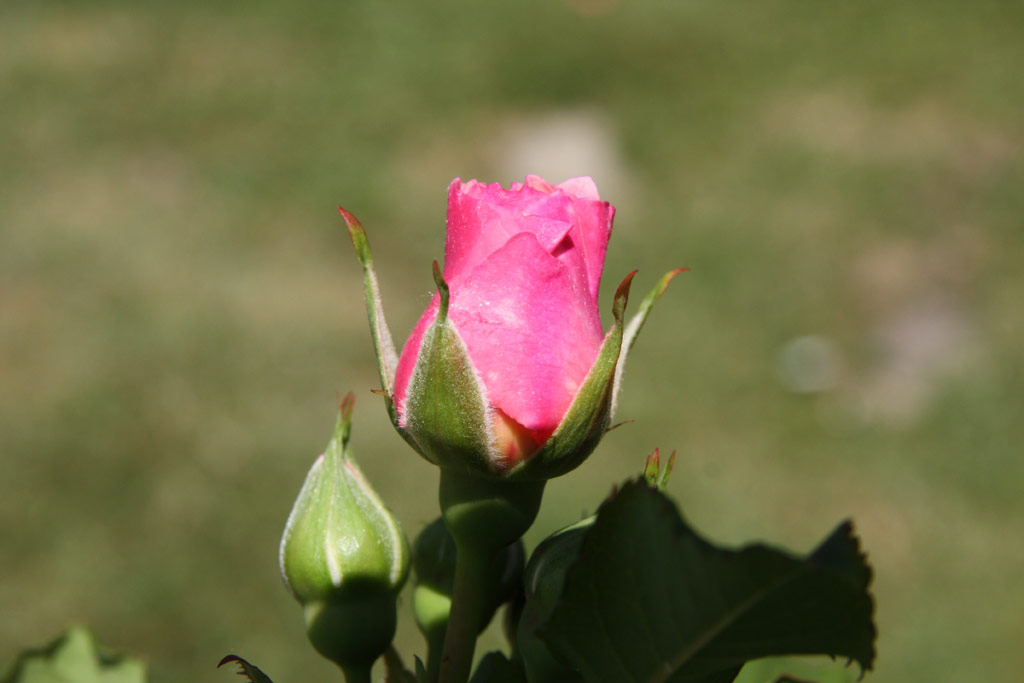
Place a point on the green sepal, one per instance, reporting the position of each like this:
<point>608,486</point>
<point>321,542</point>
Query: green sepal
<point>590,413</point>
<point>653,474</point>
<point>633,329</point>
<point>383,344</point>
<point>445,408</point>
<point>75,656</point>
<point>387,357</point>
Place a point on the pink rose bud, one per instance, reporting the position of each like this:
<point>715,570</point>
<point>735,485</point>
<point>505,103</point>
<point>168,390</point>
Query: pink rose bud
<point>523,266</point>
<point>508,373</point>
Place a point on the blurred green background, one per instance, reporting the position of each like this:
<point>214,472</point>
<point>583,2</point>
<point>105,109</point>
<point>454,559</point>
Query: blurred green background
<point>179,302</point>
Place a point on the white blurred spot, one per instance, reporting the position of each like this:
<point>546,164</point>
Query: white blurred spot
<point>918,347</point>
<point>810,364</point>
<point>562,144</point>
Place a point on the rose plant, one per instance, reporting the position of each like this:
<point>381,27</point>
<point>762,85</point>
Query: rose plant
<point>509,379</point>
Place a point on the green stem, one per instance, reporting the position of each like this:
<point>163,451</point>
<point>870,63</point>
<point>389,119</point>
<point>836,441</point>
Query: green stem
<point>435,650</point>
<point>357,673</point>
<point>468,599</point>
<point>483,516</point>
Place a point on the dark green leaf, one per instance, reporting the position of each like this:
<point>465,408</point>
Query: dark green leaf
<point>796,670</point>
<point>649,600</point>
<point>496,668</point>
<point>395,669</point>
<point>75,657</point>
<point>421,672</point>
<point>723,676</point>
<point>543,582</point>
<point>246,669</point>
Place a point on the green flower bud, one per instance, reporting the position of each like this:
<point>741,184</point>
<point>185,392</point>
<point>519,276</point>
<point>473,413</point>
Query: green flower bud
<point>433,558</point>
<point>344,557</point>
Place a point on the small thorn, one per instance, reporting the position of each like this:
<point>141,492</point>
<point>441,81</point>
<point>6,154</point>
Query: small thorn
<point>349,218</point>
<point>616,426</point>
<point>358,236</point>
<point>622,296</point>
<point>228,658</point>
<point>354,226</point>
<point>347,404</point>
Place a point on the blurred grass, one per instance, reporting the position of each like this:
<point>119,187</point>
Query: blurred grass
<point>179,304</point>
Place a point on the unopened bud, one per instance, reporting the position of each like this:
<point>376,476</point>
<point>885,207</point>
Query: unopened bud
<point>343,556</point>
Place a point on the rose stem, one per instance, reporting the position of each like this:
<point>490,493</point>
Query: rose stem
<point>359,673</point>
<point>468,597</point>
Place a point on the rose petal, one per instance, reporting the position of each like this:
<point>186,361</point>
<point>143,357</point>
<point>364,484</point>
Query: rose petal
<point>582,187</point>
<point>482,218</point>
<point>593,218</point>
<point>531,329</point>
<point>537,183</point>
<point>591,235</point>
